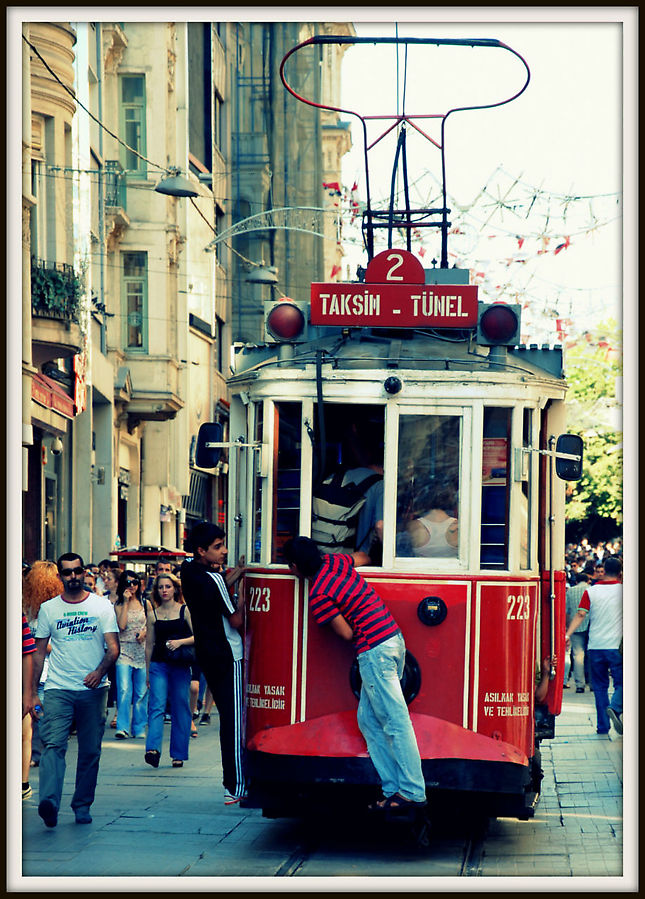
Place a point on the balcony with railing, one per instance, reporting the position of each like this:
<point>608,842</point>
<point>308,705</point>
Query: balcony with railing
<point>116,195</point>
<point>56,293</point>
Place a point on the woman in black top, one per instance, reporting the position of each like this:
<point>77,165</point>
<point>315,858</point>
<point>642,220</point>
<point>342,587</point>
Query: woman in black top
<point>169,630</point>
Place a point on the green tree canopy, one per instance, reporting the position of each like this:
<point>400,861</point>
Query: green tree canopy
<point>594,374</point>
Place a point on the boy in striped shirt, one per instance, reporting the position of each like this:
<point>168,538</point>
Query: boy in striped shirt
<point>341,597</point>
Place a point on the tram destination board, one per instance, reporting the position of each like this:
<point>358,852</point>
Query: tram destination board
<point>394,295</point>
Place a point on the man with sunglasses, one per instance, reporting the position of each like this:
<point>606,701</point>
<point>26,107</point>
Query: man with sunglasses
<point>83,633</point>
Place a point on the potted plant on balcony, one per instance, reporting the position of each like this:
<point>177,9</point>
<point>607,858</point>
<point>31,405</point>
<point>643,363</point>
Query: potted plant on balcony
<point>55,291</point>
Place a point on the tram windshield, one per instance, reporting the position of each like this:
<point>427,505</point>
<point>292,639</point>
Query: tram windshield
<point>427,504</point>
<point>403,476</point>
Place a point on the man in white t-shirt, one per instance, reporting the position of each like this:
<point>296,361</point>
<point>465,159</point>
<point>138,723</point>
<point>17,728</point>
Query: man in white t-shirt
<point>603,603</point>
<point>83,633</point>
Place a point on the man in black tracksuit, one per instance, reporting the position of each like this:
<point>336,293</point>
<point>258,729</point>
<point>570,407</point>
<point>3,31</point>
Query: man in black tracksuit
<point>218,645</point>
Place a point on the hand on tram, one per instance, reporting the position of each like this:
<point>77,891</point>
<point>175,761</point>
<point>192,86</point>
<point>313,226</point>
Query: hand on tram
<point>232,575</point>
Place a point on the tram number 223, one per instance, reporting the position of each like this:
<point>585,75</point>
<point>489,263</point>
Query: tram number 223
<point>259,599</point>
<point>519,608</point>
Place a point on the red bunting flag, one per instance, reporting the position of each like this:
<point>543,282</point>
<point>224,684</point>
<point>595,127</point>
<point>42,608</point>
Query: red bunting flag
<point>336,270</point>
<point>332,185</point>
<point>562,246</point>
<point>422,252</point>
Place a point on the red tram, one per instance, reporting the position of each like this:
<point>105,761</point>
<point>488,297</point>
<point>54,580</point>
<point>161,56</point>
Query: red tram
<point>408,358</point>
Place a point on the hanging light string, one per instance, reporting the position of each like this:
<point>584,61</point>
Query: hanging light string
<point>91,114</point>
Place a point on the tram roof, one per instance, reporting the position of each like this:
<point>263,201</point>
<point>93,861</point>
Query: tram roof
<point>369,349</point>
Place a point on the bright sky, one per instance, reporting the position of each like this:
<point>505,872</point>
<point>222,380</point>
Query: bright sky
<point>561,138</point>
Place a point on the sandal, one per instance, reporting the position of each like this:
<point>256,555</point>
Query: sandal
<point>177,763</point>
<point>152,757</point>
<point>193,730</point>
<point>396,804</point>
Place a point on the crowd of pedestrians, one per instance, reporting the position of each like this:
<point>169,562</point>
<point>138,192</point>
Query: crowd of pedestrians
<point>96,636</point>
<point>158,649</point>
<point>594,627</point>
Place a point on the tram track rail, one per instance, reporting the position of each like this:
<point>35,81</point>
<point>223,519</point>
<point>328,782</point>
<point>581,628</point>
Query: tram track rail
<point>421,838</point>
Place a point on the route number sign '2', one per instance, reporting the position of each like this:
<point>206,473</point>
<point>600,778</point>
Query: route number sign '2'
<point>394,295</point>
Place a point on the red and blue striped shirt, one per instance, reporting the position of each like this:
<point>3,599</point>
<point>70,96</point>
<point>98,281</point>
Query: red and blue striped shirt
<point>339,589</point>
<point>28,642</point>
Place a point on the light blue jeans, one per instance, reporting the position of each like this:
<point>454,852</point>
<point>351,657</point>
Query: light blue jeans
<point>578,646</point>
<point>131,699</point>
<point>60,707</point>
<point>384,720</point>
<point>169,681</point>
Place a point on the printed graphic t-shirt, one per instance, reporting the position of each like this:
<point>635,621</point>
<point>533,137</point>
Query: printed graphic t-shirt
<point>75,631</point>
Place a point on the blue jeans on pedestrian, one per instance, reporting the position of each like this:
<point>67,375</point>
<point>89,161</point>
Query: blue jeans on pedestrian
<point>36,740</point>
<point>384,720</point>
<point>169,682</point>
<point>60,707</point>
<point>577,657</point>
<point>132,699</point>
<point>602,663</point>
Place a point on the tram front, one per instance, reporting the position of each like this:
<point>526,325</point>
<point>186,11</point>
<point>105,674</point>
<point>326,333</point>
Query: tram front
<point>469,557</point>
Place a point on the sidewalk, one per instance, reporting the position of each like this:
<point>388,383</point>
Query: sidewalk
<point>578,826</point>
<point>166,822</point>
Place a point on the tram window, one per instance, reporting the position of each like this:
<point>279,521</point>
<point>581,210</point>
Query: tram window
<point>525,504</point>
<point>428,486</point>
<point>257,492</point>
<point>495,488</point>
<point>286,477</point>
<point>350,445</point>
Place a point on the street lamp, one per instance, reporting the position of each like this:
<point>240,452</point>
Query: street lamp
<point>262,274</point>
<point>177,185</point>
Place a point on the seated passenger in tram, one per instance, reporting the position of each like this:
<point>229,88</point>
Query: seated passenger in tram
<point>435,532</point>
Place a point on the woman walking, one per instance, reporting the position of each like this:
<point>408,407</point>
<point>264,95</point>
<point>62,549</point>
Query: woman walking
<point>41,582</point>
<point>132,690</point>
<point>169,656</point>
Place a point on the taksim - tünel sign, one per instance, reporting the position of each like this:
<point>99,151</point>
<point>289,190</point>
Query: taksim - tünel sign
<point>398,299</point>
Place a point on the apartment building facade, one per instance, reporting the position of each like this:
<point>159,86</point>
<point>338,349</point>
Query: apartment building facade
<point>129,308</point>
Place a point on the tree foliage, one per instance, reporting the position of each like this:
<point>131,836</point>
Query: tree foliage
<point>594,368</point>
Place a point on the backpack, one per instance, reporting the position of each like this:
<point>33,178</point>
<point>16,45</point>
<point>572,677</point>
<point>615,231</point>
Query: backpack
<point>335,511</point>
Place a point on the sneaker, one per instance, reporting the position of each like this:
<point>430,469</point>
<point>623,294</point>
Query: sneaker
<point>206,718</point>
<point>230,799</point>
<point>83,817</point>
<point>166,718</point>
<point>580,689</point>
<point>140,736</point>
<point>615,719</point>
<point>48,812</point>
<point>121,734</point>
<point>26,791</point>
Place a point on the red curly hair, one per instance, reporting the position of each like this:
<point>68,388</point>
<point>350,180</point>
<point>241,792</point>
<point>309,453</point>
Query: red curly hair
<point>40,584</point>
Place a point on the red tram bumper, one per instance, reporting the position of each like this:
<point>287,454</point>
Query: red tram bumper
<point>305,766</point>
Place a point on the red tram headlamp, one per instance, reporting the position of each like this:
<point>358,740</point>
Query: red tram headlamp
<point>498,324</point>
<point>285,320</point>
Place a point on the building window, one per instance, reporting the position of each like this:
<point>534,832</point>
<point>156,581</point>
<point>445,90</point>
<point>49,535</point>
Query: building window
<point>135,300</point>
<point>218,123</point>
<point>133,122</point>
<point>220,336</point>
